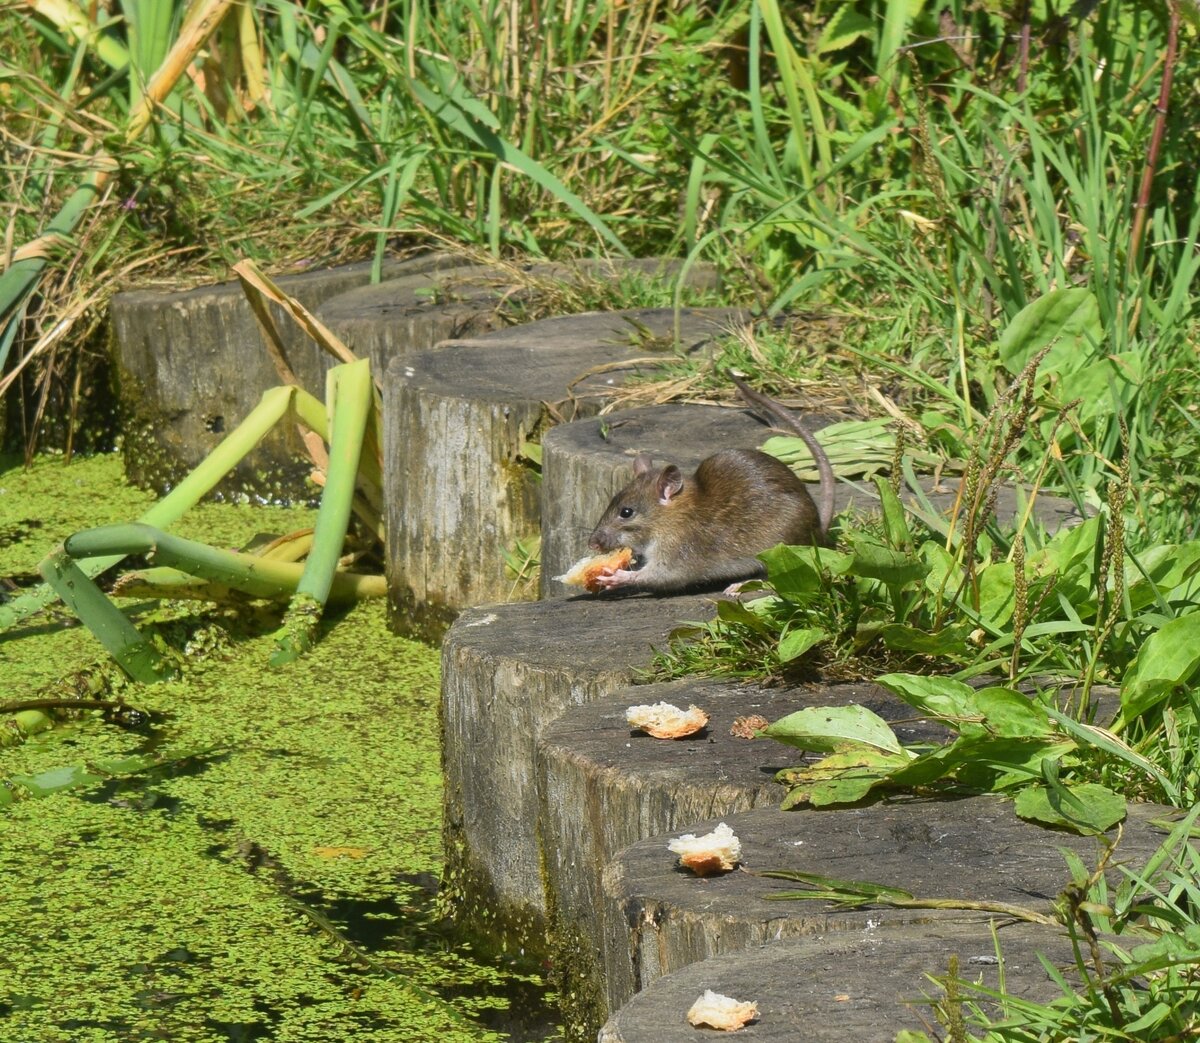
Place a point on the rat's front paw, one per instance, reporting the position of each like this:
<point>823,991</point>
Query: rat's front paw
<point>617,578</point>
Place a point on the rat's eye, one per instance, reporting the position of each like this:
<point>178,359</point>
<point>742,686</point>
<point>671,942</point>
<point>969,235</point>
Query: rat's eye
<point>625,512</point>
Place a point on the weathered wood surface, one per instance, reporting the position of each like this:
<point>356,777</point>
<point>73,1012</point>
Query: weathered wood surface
<point>658,918</point>
<point>586,462</point>
<point>192,364</point>
<point>860,986</point>
<point>399,316</point>
<point>508,671</point>
<point>405,314</point>
<point>458,418</point>
<point>604,787</point>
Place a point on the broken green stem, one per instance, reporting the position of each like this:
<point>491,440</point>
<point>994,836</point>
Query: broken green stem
<point>120,638</point>
<point>256,576</point>
<point>350,395</point>
<point>272,407</point>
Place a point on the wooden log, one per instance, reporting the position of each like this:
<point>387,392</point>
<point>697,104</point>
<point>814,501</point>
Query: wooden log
<point>603,787</point>
<point>460,481</point>
<point>508,671</point>
<point>863,986</point>
<point>658,918</point>
<point>402,315</point>
<point>191,364</point>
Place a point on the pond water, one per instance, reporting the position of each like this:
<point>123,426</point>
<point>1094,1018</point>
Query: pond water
<point>275,878</point>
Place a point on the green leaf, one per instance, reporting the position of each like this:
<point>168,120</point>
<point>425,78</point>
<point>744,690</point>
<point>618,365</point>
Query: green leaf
<point>1093,383</point>
<point>1171,947</point>
<point>795,643</point>
<point>1068,548</point>
<point>831,729</point>
<point>941,697</point>
<point>996,764</point>
<point>895,524</point>
<point>1097,810</point>
<point>1069,318</point>
<point>847,790</point>
<point>896,568</point>
<point>1094,735</point>
<point>1168,658</point>
<point>1010,714</point>
<point>1165,567</point>
<point>928,767</point>
<point>54,780</point>
<point>950,641</point>
<point>944,574</point>
<point>997,594</point>
<point>846,26</point>
<point>736,612</point>
<point>798,572</point>
<point>843,778</point>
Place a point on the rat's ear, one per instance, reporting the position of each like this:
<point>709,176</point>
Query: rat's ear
<point>670,482</point>
<point>642,464</point>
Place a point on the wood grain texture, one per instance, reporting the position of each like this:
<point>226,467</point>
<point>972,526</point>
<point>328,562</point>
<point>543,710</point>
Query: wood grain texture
<point>508,671</point>
<point>658,918</point>
<point>846,985</point>
<point>604,787</point>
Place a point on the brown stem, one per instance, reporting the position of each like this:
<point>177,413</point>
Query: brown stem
<point>1142,206</point>
<point>1023,50</point>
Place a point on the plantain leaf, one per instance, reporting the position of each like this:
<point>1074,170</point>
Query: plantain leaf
<point>840,778</point>
<point>736,612</point>
<point>797,572</point>
<point>1095,808</point>
<point>896,568</point>
<point>1168,658</point>
<point>1068,548</point>
<point>997,594</point>
<point>831,729</point>
<point>996,764</point>
<point>949,641</point>
<point>1010,714</point>
<point>1068,318</point>
<point>944,574</point>
<point>895,525</point>
<point>941,697</point>
<point>795,643</point>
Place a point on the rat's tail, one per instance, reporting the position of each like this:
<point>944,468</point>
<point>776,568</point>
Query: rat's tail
<point>757,400</point>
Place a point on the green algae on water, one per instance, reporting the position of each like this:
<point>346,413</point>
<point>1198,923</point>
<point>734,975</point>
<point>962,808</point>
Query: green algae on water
<point>278,886</point>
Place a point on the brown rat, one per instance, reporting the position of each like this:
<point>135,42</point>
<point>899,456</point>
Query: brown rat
<point>707,529</point>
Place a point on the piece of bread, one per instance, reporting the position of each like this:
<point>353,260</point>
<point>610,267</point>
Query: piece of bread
<point>585,571</point>
<point>721,1012</point>
<point>715,852</point>
<point>665,720</point>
